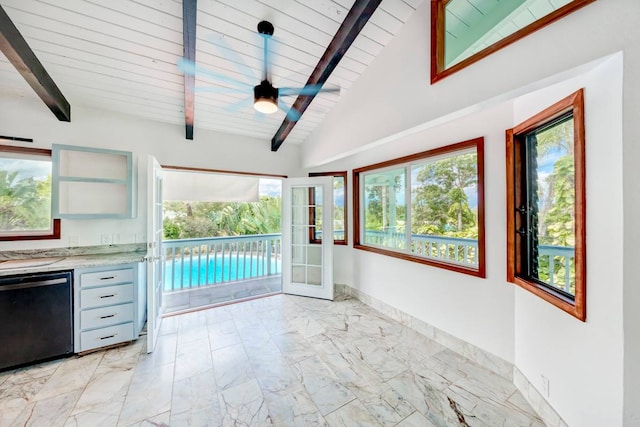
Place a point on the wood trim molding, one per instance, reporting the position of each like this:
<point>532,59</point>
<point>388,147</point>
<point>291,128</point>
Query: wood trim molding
<point>478,144</point>
<point>438,70</point>
<point>189,14</point>
<point>228,172</point>
<point>25,150</point>
<point>55,234</point>
<point>18,52</point>
<point>353,23</point>
<point>575,102</point>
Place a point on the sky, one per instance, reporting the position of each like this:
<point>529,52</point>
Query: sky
<point>40,170</point>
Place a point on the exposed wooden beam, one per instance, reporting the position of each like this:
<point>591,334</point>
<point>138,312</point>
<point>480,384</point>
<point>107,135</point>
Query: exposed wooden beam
<point>189,12</point>
<point>353,23</point>
<point>18,52</point>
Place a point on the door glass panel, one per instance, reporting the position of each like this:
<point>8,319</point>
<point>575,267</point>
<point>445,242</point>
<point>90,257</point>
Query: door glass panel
<point>306,265</point>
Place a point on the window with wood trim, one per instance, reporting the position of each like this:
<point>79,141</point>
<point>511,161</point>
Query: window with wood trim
<point>466,31</point>
<point>426,208</point>
<point>339,209</point>
<point>546,205</point>
<point>25,194</point>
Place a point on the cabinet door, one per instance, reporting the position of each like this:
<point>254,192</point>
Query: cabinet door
<point>92,183</point>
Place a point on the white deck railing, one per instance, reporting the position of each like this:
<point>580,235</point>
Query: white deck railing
<point>192,263</point>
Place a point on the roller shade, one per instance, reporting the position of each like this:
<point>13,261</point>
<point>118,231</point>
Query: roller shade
<point>208,187</point>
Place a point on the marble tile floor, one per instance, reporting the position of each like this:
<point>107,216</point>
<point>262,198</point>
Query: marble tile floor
<point>281,361</point>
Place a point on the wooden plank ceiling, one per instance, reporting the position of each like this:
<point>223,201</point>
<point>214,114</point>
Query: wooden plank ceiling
<point>121,55</point>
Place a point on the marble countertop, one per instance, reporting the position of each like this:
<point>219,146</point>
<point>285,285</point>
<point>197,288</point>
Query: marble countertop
<point>60,263</point>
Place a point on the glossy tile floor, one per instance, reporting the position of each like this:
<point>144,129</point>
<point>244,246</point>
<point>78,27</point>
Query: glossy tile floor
<point>281,360</point>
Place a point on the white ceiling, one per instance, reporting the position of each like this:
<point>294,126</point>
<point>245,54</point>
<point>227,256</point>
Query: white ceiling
<point>121,55</point>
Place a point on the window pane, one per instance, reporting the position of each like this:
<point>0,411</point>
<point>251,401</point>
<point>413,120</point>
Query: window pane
<point>551,192</point>
<point>385,209</point>
<point>444,209</point>
<point>25,195</point>
<point>338,208</point>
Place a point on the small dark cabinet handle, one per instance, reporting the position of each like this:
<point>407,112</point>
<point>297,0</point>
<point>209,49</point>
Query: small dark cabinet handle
<point>108,278</point>
<point>107,316</point>
<point>110,336</point>
<point>107,296</point>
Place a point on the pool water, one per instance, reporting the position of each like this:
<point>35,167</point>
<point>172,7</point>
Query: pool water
<point>191,274</point>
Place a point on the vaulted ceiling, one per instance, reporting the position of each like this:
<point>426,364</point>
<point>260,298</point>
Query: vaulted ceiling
<point>121,55</point>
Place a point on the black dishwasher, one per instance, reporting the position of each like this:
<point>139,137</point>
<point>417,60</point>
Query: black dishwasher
<point>36,318</point>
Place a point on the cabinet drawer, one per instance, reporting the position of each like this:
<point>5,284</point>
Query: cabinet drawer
<point>106,336</point>
<point>108,295</point>
<point>106,316</point>
<point>108,277</point>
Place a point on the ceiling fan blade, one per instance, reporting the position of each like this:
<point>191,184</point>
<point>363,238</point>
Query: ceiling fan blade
<point>306,90</point>
<point>292,114</point>
<point>232,55</point>
<point>190,67</point>
<point>238,106</point>
<point>219,89</point>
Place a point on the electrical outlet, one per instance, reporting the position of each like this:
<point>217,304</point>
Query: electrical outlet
<point>74,241</point>
<point>545,385</point>
<point>105,239</point>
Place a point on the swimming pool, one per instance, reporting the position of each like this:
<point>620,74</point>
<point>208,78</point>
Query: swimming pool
<point>198,272</point>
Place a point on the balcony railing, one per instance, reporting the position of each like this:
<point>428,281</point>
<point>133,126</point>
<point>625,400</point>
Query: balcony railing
<point>193,263</point>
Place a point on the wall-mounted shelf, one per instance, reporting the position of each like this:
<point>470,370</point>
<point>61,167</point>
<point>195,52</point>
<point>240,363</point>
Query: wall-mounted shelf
<point>92,183</point>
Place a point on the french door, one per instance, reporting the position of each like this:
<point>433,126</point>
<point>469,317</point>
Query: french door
<point>154,252</point>
<point>307,237</point>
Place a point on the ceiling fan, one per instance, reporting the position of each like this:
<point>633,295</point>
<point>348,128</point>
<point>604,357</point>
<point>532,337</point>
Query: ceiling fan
<point>265,95</point>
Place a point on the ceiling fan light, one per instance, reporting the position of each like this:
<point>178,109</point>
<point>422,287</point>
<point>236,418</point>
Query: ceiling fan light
<point>265,105</point>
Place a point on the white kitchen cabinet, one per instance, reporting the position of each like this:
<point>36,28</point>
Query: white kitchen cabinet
<point>92,183</point>
<point>108,308</point>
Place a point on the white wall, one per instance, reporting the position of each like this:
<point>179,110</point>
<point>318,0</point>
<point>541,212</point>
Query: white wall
<point>592,366</point>
<point>28,117</point>
<point>584,361</point>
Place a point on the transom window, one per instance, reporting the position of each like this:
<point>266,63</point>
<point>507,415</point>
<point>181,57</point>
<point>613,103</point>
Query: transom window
<point>25,194</point>
<point>427,207</point>
<point>546,209</point>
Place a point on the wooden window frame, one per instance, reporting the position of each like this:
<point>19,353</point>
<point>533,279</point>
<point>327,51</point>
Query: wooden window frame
<point>55,226</point>
<point>514,138</point>
<point>312,212</point>
<point>438,70</point>
<point>478,144</point>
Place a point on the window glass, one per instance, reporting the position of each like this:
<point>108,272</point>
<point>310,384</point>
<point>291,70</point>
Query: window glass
<point>25,194</point>
<point>444,208</point>
<point>427,207</point>
<point>339,209</point>
<point>551,200</point>
<point>385,208</point>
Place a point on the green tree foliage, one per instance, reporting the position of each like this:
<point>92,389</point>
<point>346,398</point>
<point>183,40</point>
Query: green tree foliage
<point>25,204</point>
<point>440,204</point>
<point>189,220</point>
